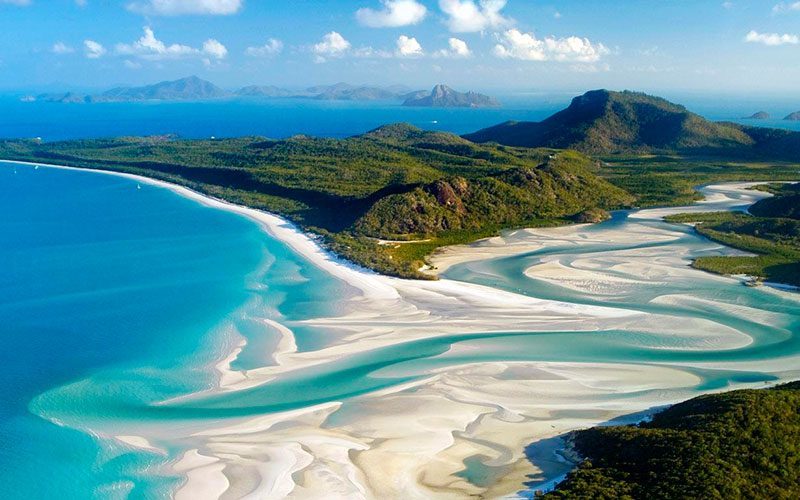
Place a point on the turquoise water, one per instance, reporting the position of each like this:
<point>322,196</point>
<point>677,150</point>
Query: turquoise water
<point>116,297</point>
<point>133,289</point>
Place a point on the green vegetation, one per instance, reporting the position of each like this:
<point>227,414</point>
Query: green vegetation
<point>388,198</point>
<point>774,240</point>
<point>670,180</point>
<point>396,182</point>
<point>602,122</point>
<point>740,444</point>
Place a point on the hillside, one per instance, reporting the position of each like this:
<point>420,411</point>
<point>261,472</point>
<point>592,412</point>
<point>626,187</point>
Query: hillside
<point>603,122</point>
<point>443,96</point>
<point>352,190</point>
<point>785,203</point>
<point>739,444</point>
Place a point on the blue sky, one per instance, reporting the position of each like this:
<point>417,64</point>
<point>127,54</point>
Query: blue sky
<point>734,46</point>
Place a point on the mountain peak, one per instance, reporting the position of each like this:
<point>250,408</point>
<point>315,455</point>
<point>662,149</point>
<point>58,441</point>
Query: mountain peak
<point>445,97</point>
<point>604,121</point>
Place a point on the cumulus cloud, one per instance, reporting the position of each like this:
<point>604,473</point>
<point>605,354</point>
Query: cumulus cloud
<point>273,47</point>
<point>408,47</point>
<point>151,48</point>
<point>465,16</point>
<point>395,13</point>
<point>457,48</point>
<point>93,50</point>
<point>332,45</point>
<point>61,48</point>
<point>187,7</point>
<point>213,48</point>
<point>786,7</point>
<point>771,39</point>
<point>514,44</point>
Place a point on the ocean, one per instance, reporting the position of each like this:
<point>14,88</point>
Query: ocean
<point>280,118</point>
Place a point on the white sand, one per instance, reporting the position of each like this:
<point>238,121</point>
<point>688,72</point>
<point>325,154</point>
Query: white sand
<point>411,441</point>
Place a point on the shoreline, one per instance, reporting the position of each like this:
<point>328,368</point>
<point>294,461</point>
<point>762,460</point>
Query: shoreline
<point>470,403</point>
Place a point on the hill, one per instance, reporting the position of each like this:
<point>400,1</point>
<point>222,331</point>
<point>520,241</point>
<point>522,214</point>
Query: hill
<point>739,444</point>
<point>189,88</point>
<point>793,116</point>
<point>760,115</point>
<point>443,96</point>
<point>603,122</point>
<point>397,181</point>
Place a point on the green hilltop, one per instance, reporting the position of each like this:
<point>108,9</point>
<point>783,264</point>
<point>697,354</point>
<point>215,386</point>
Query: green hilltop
<point>603,122</point>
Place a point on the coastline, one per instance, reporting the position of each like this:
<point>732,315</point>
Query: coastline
<point>415,436</point>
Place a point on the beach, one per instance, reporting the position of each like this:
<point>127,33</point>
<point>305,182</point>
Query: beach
<point>455,379</point>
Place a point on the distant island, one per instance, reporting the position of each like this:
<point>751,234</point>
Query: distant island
<point>793,117</point>
<point>193,88</point>
<point>760,115</point>
<point>443,96</point>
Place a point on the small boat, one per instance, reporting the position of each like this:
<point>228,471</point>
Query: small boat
<point>138,186</point>
<point>36,167</point>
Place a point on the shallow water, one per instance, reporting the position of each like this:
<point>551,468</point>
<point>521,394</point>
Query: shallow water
<point>117,299</point>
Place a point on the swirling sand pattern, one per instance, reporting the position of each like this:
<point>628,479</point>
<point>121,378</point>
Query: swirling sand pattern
<point>457,387</point>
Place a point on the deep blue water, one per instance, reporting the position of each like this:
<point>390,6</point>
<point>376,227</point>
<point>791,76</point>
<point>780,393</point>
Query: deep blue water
<point>279,118</point>
<point>274,118</point>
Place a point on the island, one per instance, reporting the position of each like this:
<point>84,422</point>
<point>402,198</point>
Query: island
<point>193,88</point>
<point>793,117</point>
<point>443,96</point>
<point>760,115</point>
<point>389,198</point>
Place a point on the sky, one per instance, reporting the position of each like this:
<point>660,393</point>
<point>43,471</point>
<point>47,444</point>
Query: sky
<point>520,45</point>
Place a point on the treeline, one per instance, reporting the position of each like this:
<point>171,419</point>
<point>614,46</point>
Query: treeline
<point>740,444</point>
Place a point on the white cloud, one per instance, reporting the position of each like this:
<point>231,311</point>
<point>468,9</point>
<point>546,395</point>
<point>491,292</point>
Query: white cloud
<point>727,5</point>
<point>408,47</point>
<point>466,16</point>
<point>458,49</point>
<point>273,47</point>
<point>771,39</point>
<point>213,48</point>
<point>132,64</point>
<point>61,48</point>
<point>786,7</point>
<point>557,15</point>
<point>525,46</point>
<point>151,48</point>
<point>187,7</point>
<point>81,3</point>
<point>93,50</point>
<point>21,3</point>
<point>395,13</point>
<point>332,45</point>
